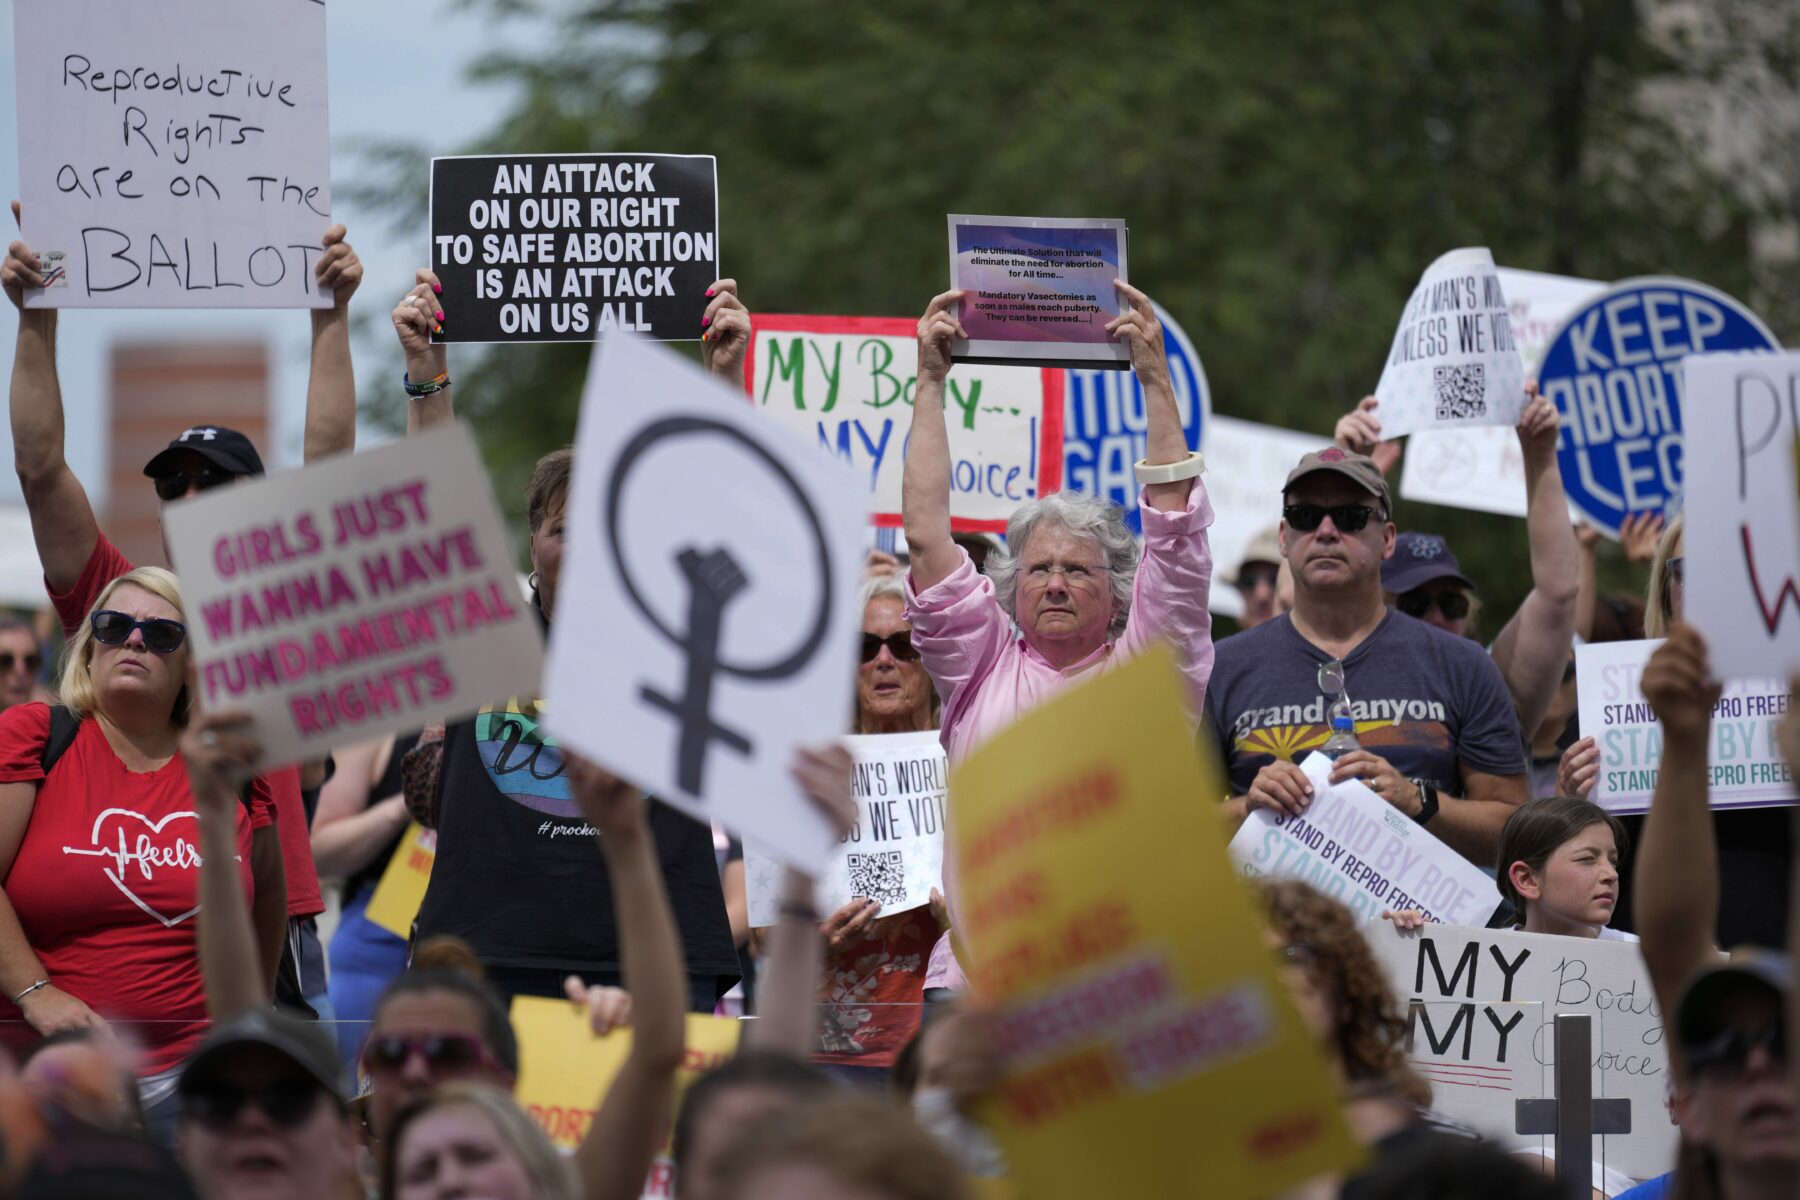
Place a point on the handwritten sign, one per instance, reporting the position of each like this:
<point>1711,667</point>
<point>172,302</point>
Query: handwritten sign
<point>1137,1040</point>
<point>1480,1028</point>
<point>362,595</point>
<point>564,1070</point>
<point>895,854</point>
<point>1745,768</point>
<point>717,627</point>
<point>174,153</point>
<point>1743,576</point>
<point>1038,290</point>
<point>848,383</point>
<point>560,247</point>
<point>1363,852</point>
<point>1453,362</point>
<point>394,905</point>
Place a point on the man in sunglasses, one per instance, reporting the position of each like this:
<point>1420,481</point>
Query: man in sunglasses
<point>1439,738</point>
<point>262,1114</point>
<point>21,658</point>
<point>1423,581</point>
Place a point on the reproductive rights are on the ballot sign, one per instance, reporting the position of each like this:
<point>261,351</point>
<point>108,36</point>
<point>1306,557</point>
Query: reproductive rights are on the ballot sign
<point>1453,361</point>
<point>173,153</point>
<point>362,595</point>
<point>1614,374</point>
<point>559,247</point>
<point>848,382</point>
<point>1744,766</point>
<point>1038,291</point>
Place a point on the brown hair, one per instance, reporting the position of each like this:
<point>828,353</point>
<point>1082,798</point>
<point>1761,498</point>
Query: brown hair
<point>860,1142</point>
<point>1371,1034</point>
<point>549,485</point>
<point>552,1176</point>
<point>1537,827</point>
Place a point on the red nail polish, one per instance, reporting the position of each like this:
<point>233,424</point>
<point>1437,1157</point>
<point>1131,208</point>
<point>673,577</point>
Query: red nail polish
<point>705,321</point>
<point>709,291</point>
<point>438,316</point>
<point>437,287</point>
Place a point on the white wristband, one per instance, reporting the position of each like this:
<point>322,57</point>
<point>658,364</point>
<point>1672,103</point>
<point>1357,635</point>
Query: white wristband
<point>1194,464</point>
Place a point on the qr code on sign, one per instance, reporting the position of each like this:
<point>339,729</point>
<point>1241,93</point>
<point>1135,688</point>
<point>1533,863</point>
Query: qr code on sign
<point>1461,391</point>
<point>879,877</point>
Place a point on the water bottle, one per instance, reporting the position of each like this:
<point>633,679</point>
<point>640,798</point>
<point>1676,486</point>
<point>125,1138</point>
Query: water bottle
<point>1343,737</point>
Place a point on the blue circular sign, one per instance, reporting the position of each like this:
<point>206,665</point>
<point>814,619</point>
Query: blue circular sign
<point>1104,420</point>
<point>1614,373</point>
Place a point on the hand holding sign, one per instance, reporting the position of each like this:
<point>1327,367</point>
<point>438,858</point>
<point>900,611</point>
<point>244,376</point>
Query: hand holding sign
<point>726,327</point>
<point>1454,361</point>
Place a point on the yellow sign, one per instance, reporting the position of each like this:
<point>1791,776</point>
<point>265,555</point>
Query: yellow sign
<point>402,888</point>
<point>1151,1047</point>
<point>564,1069</point>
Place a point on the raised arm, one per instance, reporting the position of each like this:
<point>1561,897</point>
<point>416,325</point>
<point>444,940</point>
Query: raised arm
<point>1359,431</point>
<point>1165,441</point>
<point>62,520</point>
<point>725,332</point>
<point>1677,867</point>
<point>1587,592</point>
<point>221,754</point>
<point>420,312</point>
<point>331,386</point>
<point>925,479</point>
<point>1533,648</point>
<point>351,825</point>
<point>637,1111</point>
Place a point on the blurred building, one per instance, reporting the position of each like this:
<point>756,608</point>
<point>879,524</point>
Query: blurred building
<point>158,389</point>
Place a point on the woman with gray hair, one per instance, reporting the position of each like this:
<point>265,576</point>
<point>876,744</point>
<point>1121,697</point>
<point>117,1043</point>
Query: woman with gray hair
<point>1070,594</point>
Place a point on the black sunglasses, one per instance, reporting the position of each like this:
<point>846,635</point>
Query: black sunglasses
<point>1728,1053</point>
<point>445,1054</point>
<point>9,660</point>
<point>160,634</point>
<point>1253,577</point>
<point>288,1102</point>
<point>898,644</point>
<point>1348,518</point>
<point>175,484</point>
<point>1454,605</point>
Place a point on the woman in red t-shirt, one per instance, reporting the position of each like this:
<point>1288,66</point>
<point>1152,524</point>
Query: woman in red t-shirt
<point>100,860</point>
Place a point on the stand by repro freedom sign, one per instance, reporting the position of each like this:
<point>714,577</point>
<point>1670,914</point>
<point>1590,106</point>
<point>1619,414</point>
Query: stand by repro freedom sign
<point>1614,374</point>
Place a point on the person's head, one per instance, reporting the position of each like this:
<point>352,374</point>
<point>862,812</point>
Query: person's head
<point>1257,575</point>
<point>1668,579</point>
<point>471,1139</point>
<point>1737,1105</point>
<point>546,495</point>
<point>21,657</point>
<point>131,654</point>
<point>893,692</point>
<point>1559,865</point>
<point>838,1147</point>
<point>434,1026</point>
<point>1066,575</point>
<point>1423,580</point>
<point>1339,988</point>
<point>261,1112</point>
<point>199,460</point>
<point>745,1088</point>
<point>1335,526</point>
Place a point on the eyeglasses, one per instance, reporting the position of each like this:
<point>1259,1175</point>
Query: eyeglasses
<point>444,1053</point>
<point>1676,568</point>
<point>898,644</point>
<point>160,634</point>
<point>10,661</point>
<point>1728,1053</point>
<point>1347,518</point>
<point>287,1102</point>
<point>1257,575</point>
<point>175,484</point>
<point>1454,605</point>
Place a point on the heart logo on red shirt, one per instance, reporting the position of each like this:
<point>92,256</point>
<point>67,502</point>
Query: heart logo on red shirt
<point>140,853</point>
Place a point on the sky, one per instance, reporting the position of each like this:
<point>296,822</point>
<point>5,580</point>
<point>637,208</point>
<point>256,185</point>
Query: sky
<point>396,69</point>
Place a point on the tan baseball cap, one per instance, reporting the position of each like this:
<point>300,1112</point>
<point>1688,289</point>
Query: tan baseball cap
<point>1359,469</point>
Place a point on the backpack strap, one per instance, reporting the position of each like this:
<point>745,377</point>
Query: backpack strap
<point>64,725</point>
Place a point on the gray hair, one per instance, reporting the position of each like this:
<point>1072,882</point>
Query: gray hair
<point>882,587</point>
<point>1082,515</point>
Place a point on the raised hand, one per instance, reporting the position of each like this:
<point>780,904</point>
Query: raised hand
<point>1539,425</point>
<point>937,329</point>
<point>222,754</point>
<point>419,314</point>
<point>610,804</point>
<point>21,269</point>
<point>338,268</point>
<point>823,775</point>
<point>1679,685</point>
<point>1579,767</point>
<point>1141,330</point>
<point>725,331</point>
<point>1639,533</point>
<point>1359,431</point>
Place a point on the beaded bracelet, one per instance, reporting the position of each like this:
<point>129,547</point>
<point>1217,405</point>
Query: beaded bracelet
<point>430,387</point>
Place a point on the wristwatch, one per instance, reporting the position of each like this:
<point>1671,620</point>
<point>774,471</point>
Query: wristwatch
<point>1428,801</point>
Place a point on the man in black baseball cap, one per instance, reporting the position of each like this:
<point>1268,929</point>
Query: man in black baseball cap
<point>201,459</point>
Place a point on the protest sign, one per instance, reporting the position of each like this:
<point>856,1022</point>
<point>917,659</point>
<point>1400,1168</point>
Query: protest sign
<point>1481,467</point>
<point>716,556</point>
<point>1482,1006</point>
<point>1105,421</point>
<point>362,595</point>
<point>560,247</point>
<point>1745,768</point>
<point>1614,374</point>
<point>394,905</point>
<point>1246,497</point>
<point>1038,291</point>
<point>1355,847</point>
<point>1453,362</point>
<point>564,1070</point>
<point>1137,1041</point>
<point>174,153</point>
<point>895,854</point>
<point>1742,592</point>
<point>848,383</point>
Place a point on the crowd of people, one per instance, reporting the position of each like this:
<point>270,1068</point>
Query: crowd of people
<point>178,1028</point>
